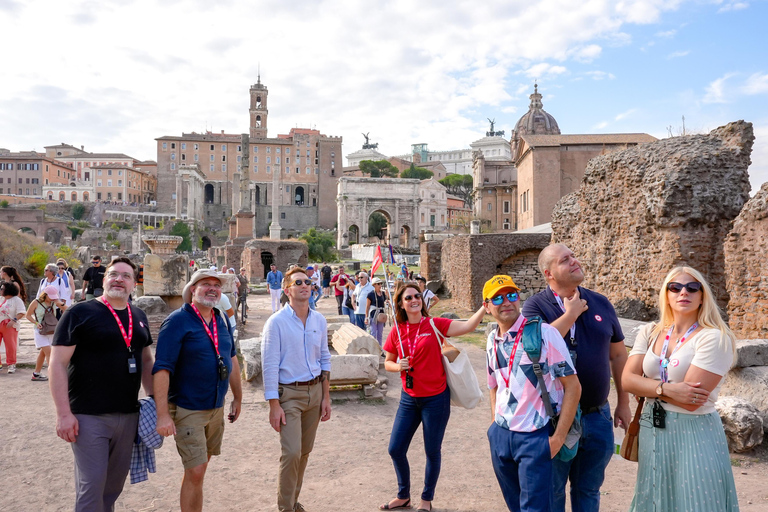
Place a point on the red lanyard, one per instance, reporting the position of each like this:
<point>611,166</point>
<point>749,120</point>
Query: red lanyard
<point>412,343</point>
<point>518,337</point>
<point>126,336</point>
<point>215,335</point>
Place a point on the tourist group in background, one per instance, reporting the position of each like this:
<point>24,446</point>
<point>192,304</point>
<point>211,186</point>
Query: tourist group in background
<point>549,368</point>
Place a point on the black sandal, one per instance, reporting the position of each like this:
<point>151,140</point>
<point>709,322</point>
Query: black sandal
<point>386,506</point>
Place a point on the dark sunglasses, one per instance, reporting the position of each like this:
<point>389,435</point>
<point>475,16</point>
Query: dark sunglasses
<point>300,282</point>
<point>409,298</point>
<point>499,299</point>
<point>692,287</point>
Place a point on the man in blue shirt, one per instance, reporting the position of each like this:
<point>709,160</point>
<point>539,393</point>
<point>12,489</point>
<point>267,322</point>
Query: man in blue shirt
<point>195,363</point>
<point>275,281</point>
<point>296,365</point>
<point>590,327</point>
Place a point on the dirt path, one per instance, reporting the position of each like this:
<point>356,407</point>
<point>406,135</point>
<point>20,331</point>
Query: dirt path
<point>349,468</point>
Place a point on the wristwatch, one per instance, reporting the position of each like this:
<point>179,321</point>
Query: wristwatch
<point>660,389</point>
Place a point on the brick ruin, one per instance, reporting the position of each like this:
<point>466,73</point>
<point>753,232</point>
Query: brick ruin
<point>746,268</point>
<point>468,261</point>
<point>260,253</point>
<point>641,211</point>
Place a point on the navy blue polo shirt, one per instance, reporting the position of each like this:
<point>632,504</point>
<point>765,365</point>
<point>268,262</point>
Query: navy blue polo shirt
<point>187,352</point>
<point>596,329</point>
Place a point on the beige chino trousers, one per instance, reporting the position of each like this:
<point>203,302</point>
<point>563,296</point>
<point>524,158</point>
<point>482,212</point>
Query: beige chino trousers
<point>301,405</point>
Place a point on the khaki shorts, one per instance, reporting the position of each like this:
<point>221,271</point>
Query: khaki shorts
<point>198,434</point>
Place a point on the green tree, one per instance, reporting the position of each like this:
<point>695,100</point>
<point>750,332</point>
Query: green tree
<point>4,203</point>
<point>376,222</point>
<point>379,169</point>
<point>181,229</point>
<point>319,244</point>
<point>459,185</point>
<point>78,210</point>
<point>418,173</point>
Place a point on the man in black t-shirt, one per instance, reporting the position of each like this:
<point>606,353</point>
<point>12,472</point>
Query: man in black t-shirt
<point>93,280</point>
<point>100,356</point>
<point>325,272</point>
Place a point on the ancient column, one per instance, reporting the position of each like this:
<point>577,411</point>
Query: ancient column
<point>178,195</point>
<point>275,231</point>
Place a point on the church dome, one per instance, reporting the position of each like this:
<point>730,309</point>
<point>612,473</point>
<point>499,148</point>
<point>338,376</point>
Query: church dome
<point>536,121</point>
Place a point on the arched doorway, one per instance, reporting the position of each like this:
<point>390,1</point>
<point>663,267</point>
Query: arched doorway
<point>50,196</point>
<point>53,235</point>
<point>379,226</point>
<point>354,234</point>
<point>74,197</point>
<point>257,195</point>
<point>206,243</point>
<point>266,260</point>
<point>86,197</point>
<point>28,231</point>
<point>209,194</point>
<point>299,196</point>
<point>405,235</point>
<point>61,196</point>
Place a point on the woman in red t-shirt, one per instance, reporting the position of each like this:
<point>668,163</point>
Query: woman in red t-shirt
<point>425,397</point>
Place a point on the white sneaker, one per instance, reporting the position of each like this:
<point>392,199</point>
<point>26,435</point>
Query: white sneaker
<point>11,368</point>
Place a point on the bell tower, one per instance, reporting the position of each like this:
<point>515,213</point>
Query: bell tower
<point>259,110</point>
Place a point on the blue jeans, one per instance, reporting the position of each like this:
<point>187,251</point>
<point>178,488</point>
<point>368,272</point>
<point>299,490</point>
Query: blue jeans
<point>377,329</point>
<point>586,471</point>
<point>523,467</point>
<point>433,412</point>
<point>360,321</point>
<point>350,313</point>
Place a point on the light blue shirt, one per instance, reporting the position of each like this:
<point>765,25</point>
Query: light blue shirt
<point>275,279</point>
<point>291,352</point>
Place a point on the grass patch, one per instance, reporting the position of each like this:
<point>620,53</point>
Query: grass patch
<point>478,339</point>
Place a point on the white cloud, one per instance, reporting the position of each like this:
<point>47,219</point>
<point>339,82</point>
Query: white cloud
<point>625,115</point>
<point>601,125</point>
<point>732,5</point>
<point>678,54</point>
<point>756,84</point>
<point>715,92</point>
<point>666,34</point>
<point>542,70</point>
<point>758,171</point>
<point>600,75</point>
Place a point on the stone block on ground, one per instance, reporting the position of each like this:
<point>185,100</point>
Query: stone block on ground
<point>151,305</point>
<point>751,353</point>
<point>491,327</point>
<point>165,276</point>
<point>251,351</point>
<point>354,369</point>
<point>630,328</point>
<point>350,339</point>
<point>741,422</point>
<point>749,384</point>
<point>450,314</point>
<point>337,319</point>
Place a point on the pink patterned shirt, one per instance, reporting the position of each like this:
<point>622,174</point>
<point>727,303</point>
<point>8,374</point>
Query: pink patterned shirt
<point>519,406</point>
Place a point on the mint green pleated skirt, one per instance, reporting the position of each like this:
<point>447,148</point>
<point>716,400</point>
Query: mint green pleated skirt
<point>684,467</point>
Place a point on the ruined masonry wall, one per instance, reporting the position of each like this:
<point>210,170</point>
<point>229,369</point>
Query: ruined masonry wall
<point>430,260</point>
<point>746,268</point>
<point>642,211</point>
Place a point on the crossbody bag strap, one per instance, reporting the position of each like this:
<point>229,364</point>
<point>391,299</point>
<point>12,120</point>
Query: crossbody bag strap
<point>440,337</point>
<point>536,326</point>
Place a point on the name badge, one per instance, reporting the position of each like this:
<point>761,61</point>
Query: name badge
<point>132,364</point>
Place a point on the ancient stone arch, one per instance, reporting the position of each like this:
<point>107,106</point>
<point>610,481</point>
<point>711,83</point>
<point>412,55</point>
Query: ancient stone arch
<point>397,199</point>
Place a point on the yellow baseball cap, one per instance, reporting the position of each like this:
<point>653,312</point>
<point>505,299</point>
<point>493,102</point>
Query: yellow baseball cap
<point>496,283</point>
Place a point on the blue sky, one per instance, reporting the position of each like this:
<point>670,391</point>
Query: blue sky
<point>113,75</point>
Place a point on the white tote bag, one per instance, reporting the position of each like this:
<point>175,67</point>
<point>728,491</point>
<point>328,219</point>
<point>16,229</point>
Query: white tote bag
<point>461,378</point>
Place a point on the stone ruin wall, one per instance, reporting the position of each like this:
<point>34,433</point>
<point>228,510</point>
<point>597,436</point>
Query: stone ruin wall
<point>431,253</point>
<point>284,253</point>
<point>644,210</point>
<point>746,269</point>
<point>468,261</point>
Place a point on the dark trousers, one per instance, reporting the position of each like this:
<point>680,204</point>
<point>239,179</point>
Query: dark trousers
<point>523,467</point>
<point>102,459</point>
<point>433,412</point>
<point>339,302</point>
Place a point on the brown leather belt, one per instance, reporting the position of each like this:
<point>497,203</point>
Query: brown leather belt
<point>305,383</point>
<point>592,409</point>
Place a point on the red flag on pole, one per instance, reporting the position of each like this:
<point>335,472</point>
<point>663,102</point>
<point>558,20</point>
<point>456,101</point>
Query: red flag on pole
<point>376,260</point>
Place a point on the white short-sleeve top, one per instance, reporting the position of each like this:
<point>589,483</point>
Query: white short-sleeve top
<point>708,349</point>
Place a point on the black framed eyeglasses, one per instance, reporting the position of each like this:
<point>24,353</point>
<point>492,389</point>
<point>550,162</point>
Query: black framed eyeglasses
<point>692,287</point>
<point>300,282</point>
<point>409,298</point>
<point>498,300</point>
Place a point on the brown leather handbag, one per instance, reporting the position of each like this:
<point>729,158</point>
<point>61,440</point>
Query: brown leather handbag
<point>630,445</point>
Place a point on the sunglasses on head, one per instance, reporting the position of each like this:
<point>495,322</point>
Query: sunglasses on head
<point>300,282</point>
<point>409,298</point>
<point>692,287</point>
<point>498,300</point>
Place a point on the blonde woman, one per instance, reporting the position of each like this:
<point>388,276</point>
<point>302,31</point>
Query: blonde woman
<point>678,364</point>
<point>49,298</point>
